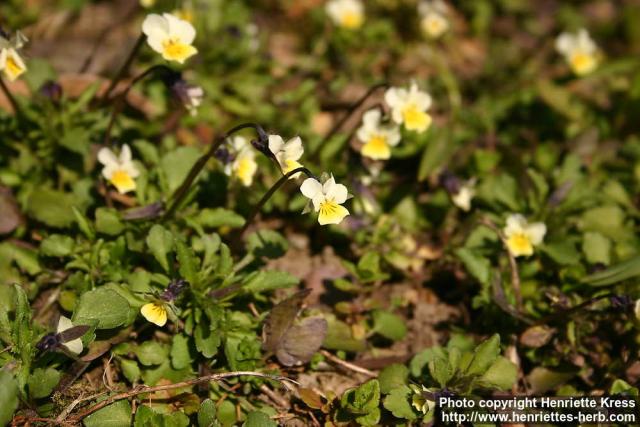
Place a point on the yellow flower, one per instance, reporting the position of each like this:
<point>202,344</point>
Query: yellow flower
<point>434,22</point>
<point>287,153</point>
<point>74,346</point>
<point>348,14</point>
<point>170,36</point>
<point>579,50</point>
<point>377,138</point>
<point>244,165</point>
<point>409,107</point>
<point>11,63</point>
<point>521,236</point>
<point>119,171</point>
<point>327,199</point>
<point>155,312</point>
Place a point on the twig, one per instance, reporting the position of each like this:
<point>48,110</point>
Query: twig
<point>146,389</point>
<point>125,67</point>
<point>75,403</point>
<point>278,400</point>
<point>515,276</point>
<point>348,365</point>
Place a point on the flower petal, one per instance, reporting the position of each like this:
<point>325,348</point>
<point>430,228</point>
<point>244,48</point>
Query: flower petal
<point>536,232</point>
<point>154,313</point>
<point>275,143</point>
<point>180,28</point>
<point>107,157</point>
<point>311,188</point>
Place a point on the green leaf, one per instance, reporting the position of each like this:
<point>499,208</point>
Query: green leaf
<point>131,370</point>
<point>606,220</point>
<point>226,413</point>
<point>543,379</point>
<point>104,308</point>
<point>423,358</point>
<point>83,223</point>
<point>189,263</point>
<point>369,268</point>
<point>563,252</point>
<point>476,264</point>
<point>362,399</point>
<point>51,207</point>
<point>267,243</point>
<point>57,245</point>
<point>389,325</point>
<point>441,370</point>
<point>484,356</point>
<point>117,414</point>
<point>597,248</point>
<point>219,217</point>
<point>160,243</point>
<point>339,337</point>
<point>180,354</point>
<point>8,397</point>
<point>397,402</point>
<point>268,280</point>
<point>501,375</point>
<point>151,353</point>
<point>616,273</point>
<point>207,413</point>
<point>108,222</point>
<point>207,340</point>
<point>42,382</point>
<point>259,419</point>
<point>175,165</point>
<point>393,376</point>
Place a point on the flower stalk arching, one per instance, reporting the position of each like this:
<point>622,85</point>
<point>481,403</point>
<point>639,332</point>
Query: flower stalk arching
<point>120,100</point>
<point>125,67</point>
<point>272,191</point>
<point>182,191</point>
<point>352,109</point>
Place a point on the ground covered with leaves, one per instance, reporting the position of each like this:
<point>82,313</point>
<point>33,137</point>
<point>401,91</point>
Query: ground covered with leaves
<point>310,212</point>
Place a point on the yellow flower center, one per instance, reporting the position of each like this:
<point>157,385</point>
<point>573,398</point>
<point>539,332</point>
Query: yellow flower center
<point>245,170</point>
<point>122,181</point>
<point>351,20</point>
<point>331,212</point>
<point>13,69</point>
<point>520,244</point>
<point>174,50</point>
<point>582,63</point>
<point>414,119</point>
<point>377,148</point>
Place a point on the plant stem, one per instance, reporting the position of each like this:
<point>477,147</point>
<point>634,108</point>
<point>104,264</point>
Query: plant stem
<point>354,107</point>
<point>125,67</point>
<point>182,191</point>
<point>271,192</point>
<point>10,97</point>
<point>119,102</point>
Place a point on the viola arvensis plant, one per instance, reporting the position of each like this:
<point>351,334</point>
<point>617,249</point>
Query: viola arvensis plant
<point>378,138</point>
<point>409,107</point>
<point>159,310</point>
<point>465,194</point>
<point>433,21</point>
<point>119,170</point>
<point>327,199</point>
<point>170,36</point>
<point>287,153</point>
<point>243,166</point>
<point>347,14</point>
<point>521,237</point>
<point>75,345</point>
<point>579,50</point>
<point>11,63</point>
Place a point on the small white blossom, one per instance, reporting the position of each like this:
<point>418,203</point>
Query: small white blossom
<point>74,346</point>
<point>409,107</point>
<point>579,50</point>
<point>170,36</point>
<point>119,170</point>
<point>287,153</point>
<point>465,194</point>
<point>327,199</point>
<point>377,137</point>
<point>348,14</point>
<point>11,63</point>
<point>434,22</point>
<point>244,165</point>
<point>521,236</point>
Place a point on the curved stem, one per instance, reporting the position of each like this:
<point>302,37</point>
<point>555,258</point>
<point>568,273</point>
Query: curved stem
<point>125,67</point>
<point>179,195</point>
<point>336,128</point>
<point>271,192</point>
<point>10,97</point>
<point>120,100</point>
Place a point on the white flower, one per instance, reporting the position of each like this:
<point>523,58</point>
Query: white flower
<point>11,63</point>
<point>190,96</point>
<point>170,36</point>
<point>409,107</point>
<point>377,138</point>
<point>244,164</point>
<point>119,171</point>
<point>346,13</point>
<point>434,21</point>
<point>327,199</point>
<point>287,153</point>
<point>74,346</point>
<point>465,194</point>
<point>521,236</point>
<point>579,50</point>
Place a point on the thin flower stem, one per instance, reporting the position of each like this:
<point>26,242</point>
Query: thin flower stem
<point>10,97</point>
<point>146,389</point>
<point>125,67</point>
<point>354,107</point>
<point>271,192</point>
<point>119,103</point>
<point>182,191</point>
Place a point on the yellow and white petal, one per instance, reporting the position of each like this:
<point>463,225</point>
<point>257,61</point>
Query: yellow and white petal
<point>536,232</point>
<point>245,169</point>
<point>122,180</point>
<point>395,97</point>
<point>180,29</point>
<point>519,244</point>
<point>107,157</point>
<point>377,148</point>
<point>463,198</point>
<point>155,313</point>
<point>14,66</point>
<point>584,42</point>
<point>239,143</point>
<point>276,143</point>
<point>516,223</point>
<point>434,25</point>
<point>331,213</point>
<point>156,28</point>
<point>290,165</point>
<point>565,43</point>
<point>176,50</point>
<point>421,99</point>
<point>335,192</point>
<point>293,149</point>
<point>311,188</point>
<point>393,135</point>
<point>582,63</point>
<point>415,119</point>
<point>74,346</point>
